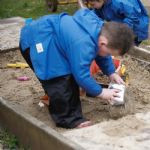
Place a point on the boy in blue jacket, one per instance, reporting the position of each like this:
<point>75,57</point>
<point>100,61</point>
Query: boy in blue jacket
<point>60,50</point>
<point>130,12</point>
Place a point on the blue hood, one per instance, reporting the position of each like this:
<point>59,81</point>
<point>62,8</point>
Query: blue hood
<point>90,22</point>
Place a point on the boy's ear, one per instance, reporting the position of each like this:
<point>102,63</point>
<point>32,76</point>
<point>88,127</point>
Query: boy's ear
<point>103,41</point>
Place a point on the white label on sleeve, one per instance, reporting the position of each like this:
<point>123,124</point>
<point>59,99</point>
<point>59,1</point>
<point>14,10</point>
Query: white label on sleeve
<point>39,47</point>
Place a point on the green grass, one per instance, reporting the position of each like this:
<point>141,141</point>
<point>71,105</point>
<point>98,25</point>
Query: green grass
<point>9,141</point>
<point>146,42</point>
<point>29,8</point>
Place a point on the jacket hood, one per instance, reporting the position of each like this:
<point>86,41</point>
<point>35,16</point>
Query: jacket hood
<point>90,22</point>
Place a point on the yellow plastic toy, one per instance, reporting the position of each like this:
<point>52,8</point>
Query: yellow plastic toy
<point>124,74</point>
<point>18,65</point>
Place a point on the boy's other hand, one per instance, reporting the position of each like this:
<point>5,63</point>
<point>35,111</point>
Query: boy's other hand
<point>116,78</point>
<point>109,94</point>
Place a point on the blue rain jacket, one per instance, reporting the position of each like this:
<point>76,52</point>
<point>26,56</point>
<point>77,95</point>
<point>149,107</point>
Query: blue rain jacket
<point>63,44</point>
<point>131,12</point>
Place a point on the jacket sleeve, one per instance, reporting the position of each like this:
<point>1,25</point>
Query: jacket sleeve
<point>127,10</point>
<point>106,64</point>
<point>25,38</point>
<point>80,56</point>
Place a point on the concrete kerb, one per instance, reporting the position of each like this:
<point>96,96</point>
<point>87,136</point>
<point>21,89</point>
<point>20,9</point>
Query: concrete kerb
<point>10,32</point>
<point>140,53</point>
<point>31,132</point>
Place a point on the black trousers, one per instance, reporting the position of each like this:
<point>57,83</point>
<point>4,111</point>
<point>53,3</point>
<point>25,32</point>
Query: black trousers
<point>137,43</point>
<point>65,106</point>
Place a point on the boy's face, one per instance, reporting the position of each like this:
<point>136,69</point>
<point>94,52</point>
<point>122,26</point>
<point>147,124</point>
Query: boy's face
<point>96,4</point>
<point>104,50</point>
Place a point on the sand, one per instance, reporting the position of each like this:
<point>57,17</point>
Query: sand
<point>27,94</point>
<point>127,133</point>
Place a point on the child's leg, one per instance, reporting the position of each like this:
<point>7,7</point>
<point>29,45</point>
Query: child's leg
<point>26,56</point>
<point>65,105</point>
<point>137,43</point>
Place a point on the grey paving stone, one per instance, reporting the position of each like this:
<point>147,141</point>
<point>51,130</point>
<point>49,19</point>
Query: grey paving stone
<point>9,33</point>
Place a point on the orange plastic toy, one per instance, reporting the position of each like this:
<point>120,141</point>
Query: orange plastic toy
<point>45,99</point>
<point>94,69</point>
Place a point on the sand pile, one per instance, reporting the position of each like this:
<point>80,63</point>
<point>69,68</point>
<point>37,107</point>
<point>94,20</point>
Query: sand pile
<point>27,94</point>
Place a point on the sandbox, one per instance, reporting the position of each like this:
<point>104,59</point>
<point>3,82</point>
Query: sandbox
<point>26,95</point>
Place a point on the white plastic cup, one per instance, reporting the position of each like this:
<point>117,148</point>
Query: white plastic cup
<point>118,100</point>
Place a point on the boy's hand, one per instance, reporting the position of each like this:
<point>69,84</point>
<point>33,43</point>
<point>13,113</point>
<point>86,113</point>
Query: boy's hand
<point>116,78</point>
<point>109,94</point>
